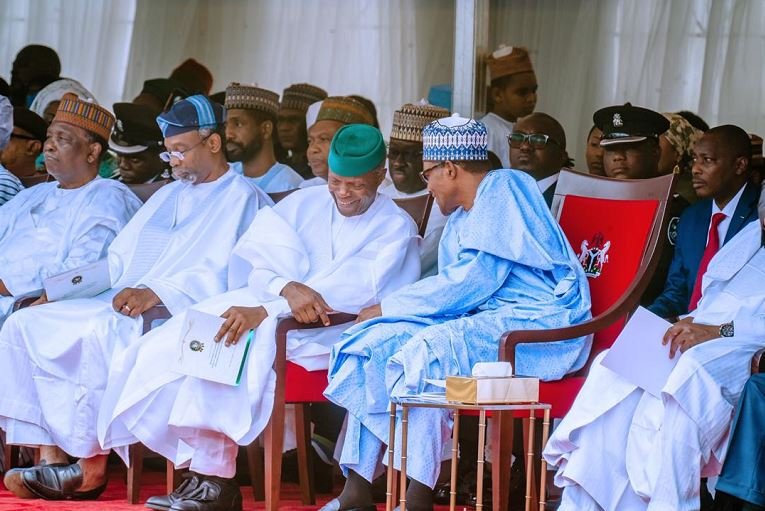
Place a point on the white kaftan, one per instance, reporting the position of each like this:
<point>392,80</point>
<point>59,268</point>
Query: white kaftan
<point>58,354</point>
<point>619,448</point>
<point>351,261</point>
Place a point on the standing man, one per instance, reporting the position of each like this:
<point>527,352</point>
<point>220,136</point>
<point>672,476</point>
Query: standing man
<point>174,252</point>
<point>25,145</point>
<point>250,124</point>
<point>137,142</point>
<point>512,95</point>
<point>334,113</point>
<point>490,280</point>
<point>404,168</point>
<point>727,203</point>
<point>291,124</point>
<point>538,147</point>
<point>323,249</point>
<point>58,226</point>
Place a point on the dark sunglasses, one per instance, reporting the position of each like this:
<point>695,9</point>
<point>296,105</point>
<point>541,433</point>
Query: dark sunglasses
<point>535,140</point>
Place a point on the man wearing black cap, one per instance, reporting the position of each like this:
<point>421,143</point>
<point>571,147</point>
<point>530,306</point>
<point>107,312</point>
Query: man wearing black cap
<point>631,150</point>
<point>34,67</point>
<point>137,141</point>
<point>25,145</point>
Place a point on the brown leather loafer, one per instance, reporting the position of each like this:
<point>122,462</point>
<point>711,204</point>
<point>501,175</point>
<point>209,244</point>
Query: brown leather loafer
<point>58,482</point>
<point>164,502</point>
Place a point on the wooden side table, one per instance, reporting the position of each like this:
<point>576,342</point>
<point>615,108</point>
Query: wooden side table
<point>441,402</point>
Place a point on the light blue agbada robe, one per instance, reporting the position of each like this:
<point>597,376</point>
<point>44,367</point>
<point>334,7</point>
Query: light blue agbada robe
<point>503,265</point>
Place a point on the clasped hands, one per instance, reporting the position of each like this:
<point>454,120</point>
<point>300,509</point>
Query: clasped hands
<point>686,334</point>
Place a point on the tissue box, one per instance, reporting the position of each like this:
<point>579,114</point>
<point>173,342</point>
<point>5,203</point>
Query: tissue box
<point>478,390</point>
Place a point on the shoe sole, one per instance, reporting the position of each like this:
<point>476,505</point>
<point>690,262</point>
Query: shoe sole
<point>157,507</point>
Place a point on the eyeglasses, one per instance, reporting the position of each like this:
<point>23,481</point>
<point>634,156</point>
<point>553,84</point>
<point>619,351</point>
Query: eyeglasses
<point>410,156</point>
<point>425,172</point>
<point>535,140</point>
<point>166,156</point>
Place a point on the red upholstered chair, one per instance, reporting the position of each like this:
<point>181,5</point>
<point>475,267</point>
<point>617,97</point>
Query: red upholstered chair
<point>617,228</point>
<point>295,385</point>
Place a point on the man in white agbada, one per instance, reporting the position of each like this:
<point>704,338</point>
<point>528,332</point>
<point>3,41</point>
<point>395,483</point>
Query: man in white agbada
<point>622,449</point>
<point>250,130</point>
<point>334,113</point>
<point>54,227</point>
<point>175,251</point>
<point>404,167</point>
<point>319,250</point>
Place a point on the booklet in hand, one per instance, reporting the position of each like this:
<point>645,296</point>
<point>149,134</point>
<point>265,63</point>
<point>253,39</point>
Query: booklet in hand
<point>83,282</point>
<point>200,356</point>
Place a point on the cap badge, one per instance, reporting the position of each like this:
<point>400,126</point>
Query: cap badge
<point>119,125</point>
<point>617,121</point>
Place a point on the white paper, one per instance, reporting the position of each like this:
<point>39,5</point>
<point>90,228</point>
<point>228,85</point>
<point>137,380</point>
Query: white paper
<point>200,356</point>
<point>638,355</point>
<point>83,282</point>
<point>493,369</point>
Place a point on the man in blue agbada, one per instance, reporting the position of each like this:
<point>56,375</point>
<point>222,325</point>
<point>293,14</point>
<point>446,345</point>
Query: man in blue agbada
<point>503,264</point>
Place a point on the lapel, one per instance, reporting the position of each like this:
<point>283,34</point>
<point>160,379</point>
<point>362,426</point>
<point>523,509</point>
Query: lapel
<point>746,210</point>
<point>550,194</point>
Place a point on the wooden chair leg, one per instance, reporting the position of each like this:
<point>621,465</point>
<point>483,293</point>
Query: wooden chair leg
<point>532,477</point>
<point>502,457</point>
<point>273,446</point>
<point>134,473</point>
<point>172,477</point>
<point>255,466</point>
<point>305,460</point>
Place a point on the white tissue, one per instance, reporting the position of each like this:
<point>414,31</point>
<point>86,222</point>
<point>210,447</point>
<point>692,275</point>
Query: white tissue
<point>494,369</point>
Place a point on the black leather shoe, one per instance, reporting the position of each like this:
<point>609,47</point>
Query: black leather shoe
<point>58,481</point>
<point>164,502</point>
<point>212,494</point>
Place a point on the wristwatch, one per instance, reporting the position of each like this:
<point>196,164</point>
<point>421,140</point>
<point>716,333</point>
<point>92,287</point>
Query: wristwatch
<point>726,329</point>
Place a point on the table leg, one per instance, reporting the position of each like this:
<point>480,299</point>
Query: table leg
<point>404,428</point>
<point>530,460</point>
<point>481,445</point>
<point>543,474</point>
<point>389,497</point>
<point>455,461</point>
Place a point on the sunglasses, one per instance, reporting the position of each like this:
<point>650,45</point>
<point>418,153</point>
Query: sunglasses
<point>426,172</point>
<point>535,140</point>
<point>166,156</point>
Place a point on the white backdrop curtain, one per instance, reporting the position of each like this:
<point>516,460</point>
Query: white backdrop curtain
<point>92,38</point>
<point>699,55</point>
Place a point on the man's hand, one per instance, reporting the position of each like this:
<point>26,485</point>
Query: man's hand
<point>686,334</point>
<point>135,301</point>
<point>373,311</point>
<point>40,301</point>
<point>306,304</point>
<point>238,321</point>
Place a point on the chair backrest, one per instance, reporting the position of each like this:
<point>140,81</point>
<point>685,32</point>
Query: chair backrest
<point>35,179</point>
<point>277,196</point>
<point>615,228</point>
<point>418,208</point>
<point>144,191</point>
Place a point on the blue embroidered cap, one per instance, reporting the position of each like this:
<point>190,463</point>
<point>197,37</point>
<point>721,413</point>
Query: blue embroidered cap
<point>191,114</point>
<point>454,138</point>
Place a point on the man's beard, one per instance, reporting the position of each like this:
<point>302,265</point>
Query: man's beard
<point>243,153</point>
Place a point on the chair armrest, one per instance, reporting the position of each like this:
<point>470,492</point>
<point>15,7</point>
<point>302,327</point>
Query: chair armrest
<point>23,303</point>
<point>153,314</point>
<point>287,323</point>
<point>758,362</point>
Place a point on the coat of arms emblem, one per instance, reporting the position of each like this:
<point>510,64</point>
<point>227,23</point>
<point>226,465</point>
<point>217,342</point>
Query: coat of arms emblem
<point>77,279</point>
<point>594,255</point>
<point>196,346</point>
<point>617,121</point>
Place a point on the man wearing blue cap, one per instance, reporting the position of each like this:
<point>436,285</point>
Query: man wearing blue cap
<point>321,249</point>
<point>175,252</point>
<point>503,264</point>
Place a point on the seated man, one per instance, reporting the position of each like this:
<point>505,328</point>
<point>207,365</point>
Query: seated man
<point>538,146</point>
<point>54,227</point>
<point>291,124</point>
<point>727,203</point>
<point>174,252</point>
<point>339,248</point>
<point>9,183</point>
<point>404,167</point>
<point>334,113</point>
<point>491,279</point>
<point>250,132</point>
<point>20,154</point>
<point>620,448</point>
<point>137,142</point>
